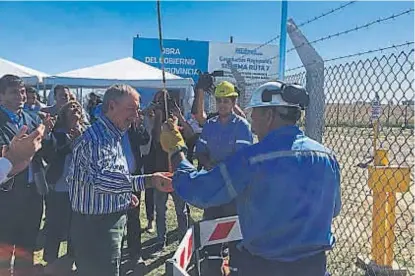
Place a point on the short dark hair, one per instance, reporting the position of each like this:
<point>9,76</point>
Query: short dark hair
<point>59,87</point>
<point>290,114</point>
<point>9,80</point>
<point>30,89</point>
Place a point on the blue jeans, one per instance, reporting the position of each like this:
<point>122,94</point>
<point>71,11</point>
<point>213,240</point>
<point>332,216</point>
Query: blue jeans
<point>97,243</point>
<point>160,199</point>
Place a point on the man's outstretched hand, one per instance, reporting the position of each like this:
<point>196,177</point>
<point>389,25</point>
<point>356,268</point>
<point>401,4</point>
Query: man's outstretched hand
<point>162,182</point>
<point>134,201</point>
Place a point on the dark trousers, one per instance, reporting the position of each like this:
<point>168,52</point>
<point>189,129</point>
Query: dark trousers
<point>134,231</point>
<point>248,265</point>
<point>97,242</point>
<point>148,165</point>
<point>58,214</point>
<point>161,212</point>
<point>149,201</point>
<point>20,214</point>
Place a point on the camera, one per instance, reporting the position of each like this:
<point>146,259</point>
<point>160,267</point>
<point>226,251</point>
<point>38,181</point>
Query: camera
<point>159,104</point>
<point>206,80</point>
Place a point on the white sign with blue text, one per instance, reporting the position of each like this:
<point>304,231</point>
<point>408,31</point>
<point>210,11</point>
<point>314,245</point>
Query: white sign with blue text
<point>254,63</point>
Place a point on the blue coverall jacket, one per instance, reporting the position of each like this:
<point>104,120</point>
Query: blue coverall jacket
<point>287,189</point>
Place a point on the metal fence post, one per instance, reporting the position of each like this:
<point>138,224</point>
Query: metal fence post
<point>240,83</point>
<point>169,267</point>
<point>314,65</point>
<point>196,246</point>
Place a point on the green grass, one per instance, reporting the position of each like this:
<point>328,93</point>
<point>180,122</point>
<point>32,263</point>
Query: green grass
<point>155,263</point>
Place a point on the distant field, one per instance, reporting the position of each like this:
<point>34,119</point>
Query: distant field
<point>359,114</point>
<point>353,227</point>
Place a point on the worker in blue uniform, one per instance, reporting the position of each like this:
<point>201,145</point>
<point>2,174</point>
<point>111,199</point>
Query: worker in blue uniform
<point>222,136</point>
<point>287,187</point>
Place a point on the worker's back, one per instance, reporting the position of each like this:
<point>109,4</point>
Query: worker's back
<point>290,195</point>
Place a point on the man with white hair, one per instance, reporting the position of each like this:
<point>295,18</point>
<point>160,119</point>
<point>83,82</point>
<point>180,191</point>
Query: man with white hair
<point>102,186</point>
<point>286,187</point>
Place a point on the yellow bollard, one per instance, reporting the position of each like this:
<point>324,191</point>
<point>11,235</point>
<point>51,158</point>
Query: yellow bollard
<point>378,226</point>
<point>385,181</point>
<point>379,212</point>
<point>381,158</point>
<point>390,224</point>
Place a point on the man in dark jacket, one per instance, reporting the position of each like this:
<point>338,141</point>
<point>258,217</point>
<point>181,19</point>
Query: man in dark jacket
<point>21,202</point>
<point>135,137</point>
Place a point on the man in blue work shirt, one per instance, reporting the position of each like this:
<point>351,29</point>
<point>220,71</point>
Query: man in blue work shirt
<point>287,187</point>
<point>225,133</point>
<point>222,136</point>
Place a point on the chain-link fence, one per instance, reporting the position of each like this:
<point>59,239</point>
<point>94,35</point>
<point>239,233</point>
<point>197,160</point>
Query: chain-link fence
<point>350,90</point>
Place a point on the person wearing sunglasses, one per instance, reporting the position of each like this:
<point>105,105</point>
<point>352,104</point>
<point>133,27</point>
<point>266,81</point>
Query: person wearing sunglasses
<point>286,187</point>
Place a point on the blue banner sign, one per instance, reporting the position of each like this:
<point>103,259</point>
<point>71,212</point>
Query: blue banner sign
<point>181,57</point>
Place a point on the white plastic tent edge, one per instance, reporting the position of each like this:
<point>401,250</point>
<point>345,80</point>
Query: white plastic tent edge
<point>103,83</point>
<point>90,77</point>
<point>184,84</point>
<point>30,76</point>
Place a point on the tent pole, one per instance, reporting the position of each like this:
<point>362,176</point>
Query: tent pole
<point>44,93</point>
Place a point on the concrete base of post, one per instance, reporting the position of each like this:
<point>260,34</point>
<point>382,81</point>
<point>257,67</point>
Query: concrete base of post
<point>372,269</point>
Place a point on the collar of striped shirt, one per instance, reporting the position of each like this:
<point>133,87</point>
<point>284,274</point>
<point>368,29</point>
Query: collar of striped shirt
<point>112,129</point>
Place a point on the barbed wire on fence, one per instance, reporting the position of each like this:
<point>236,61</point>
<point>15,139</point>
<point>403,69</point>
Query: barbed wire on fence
<point>351,30</point>
<point>326,14</point>
<point>334,59</point>
<point>308,21</point>
<point>353,55</point>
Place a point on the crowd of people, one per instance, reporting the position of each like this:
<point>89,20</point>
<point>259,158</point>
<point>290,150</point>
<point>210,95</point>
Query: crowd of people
<point>86,170</point>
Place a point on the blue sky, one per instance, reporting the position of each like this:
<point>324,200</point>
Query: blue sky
<point>59,36</point>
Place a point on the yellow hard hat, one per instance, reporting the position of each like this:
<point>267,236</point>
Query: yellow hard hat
<point>225,89</point>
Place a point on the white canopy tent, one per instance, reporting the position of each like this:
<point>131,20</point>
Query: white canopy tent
<point>128,71</point>
<point>30,76</point>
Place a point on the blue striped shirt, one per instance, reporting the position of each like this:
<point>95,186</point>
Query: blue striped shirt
<point>99,179</point>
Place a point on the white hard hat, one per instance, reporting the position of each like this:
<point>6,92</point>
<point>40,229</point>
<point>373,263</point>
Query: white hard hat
<point>271,94</point>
